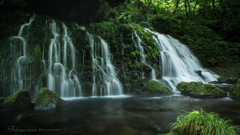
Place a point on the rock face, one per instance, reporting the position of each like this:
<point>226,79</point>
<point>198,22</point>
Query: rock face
<point>47,99</point>
<point>200,90</point>
<point>235,90</point>
<point>19,100</point>
<point>157,87</point>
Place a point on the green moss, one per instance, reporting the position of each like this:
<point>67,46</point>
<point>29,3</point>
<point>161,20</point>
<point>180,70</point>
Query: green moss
<point>235,91</point>
<point>91,25</point>
<point>151,28</point>
<point>130,65</point>
<point>45,97</point>
<point>88,48</point>
<point>200,90</point>
<point>20,97</point>
<point>156,87</point>
<point>37,52</point>
<point>133,54</point>
<point>149,47</point>
<point>137,53</point>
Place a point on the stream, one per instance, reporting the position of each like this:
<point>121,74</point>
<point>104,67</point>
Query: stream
<point>118,115</point>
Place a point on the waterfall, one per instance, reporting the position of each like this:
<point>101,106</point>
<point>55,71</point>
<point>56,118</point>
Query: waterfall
<point>138,44</point>
<point>20,70</point>
<point>105,81</point>
<point>61,78</point>
<point>178,62</point>
<point>60,66</point>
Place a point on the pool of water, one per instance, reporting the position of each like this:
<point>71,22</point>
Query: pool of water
<point>119,115</point>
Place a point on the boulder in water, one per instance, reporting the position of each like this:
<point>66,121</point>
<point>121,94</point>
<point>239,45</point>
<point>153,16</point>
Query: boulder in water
<point>157,87</point>
<point>19,100</point>
<point>235,90</point>
<point>47,99</point>
<point>224,79</point>
<point>200,90</point>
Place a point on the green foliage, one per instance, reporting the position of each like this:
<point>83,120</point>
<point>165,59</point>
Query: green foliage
<point>137,53</point>
<point>88,48</point>
<point>133,54</point>
<point>125,16</point>
<point>202,123</point>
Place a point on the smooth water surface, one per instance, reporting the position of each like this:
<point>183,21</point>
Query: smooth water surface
<point>121,115</point>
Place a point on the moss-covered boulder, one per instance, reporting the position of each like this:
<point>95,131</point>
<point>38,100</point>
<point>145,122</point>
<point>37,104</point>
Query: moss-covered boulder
<point>19,100</point>
<point>235,90</point>
<point>200,90</point>
<point>224,79</point>
<point>157,87</point>
<point>47,99</point>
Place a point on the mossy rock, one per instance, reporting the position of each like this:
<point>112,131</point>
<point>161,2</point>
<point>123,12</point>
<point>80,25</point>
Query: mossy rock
<point>235,90</point>
<point>224,79</point>
<point>200,90</point>
<point>19,100</point>
<point>157,87</point>
<point>146,68</point>
<point>88,48</point>
<point>47,99</point>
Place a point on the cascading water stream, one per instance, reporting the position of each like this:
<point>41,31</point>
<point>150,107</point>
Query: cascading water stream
<point>138,44</point>
<point>19,69</point>
<point>178,63</point>
<point>105,81</point>
<point>59,73</point>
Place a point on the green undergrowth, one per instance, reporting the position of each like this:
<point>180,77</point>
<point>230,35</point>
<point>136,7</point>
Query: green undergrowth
<point>202,123</point>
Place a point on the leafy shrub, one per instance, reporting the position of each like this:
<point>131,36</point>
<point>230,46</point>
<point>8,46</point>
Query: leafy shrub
<point>203,123</point>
